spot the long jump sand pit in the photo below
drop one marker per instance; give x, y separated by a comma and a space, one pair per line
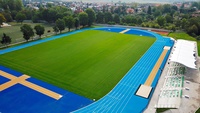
22, 80
145, 90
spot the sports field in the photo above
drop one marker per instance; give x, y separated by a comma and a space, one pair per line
89, 63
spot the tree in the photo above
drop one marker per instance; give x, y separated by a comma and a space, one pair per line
157, 13
174, 7
149, 10
169, 19
49, 14
128, 19
39, 30
184, 23
7, 16
60, 23
28, 12
166, 8
172, 12
117, 10
199, 6
17, 5
55, 29
13, 14
11, 5
91, 16
150, 17
172, 28
52, 15
133, 20
116, 18
161, 21
193, 30
27, 31
2, 19
100, 17
69, 21
83, 17
20, 17
139, 21
195, 4
36, 17
5, 39
108, 17
77, 23
177, 22
45, 14
194, 21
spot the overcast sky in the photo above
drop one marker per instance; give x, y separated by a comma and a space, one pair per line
139, 1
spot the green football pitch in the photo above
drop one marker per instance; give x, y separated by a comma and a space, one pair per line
89, 63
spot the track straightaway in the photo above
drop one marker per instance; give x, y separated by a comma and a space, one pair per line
122, 97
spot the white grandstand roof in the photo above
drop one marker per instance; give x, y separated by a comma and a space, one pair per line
183, 53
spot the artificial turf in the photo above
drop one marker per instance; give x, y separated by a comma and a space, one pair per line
89, 63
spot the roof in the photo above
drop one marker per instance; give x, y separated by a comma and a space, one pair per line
184, 53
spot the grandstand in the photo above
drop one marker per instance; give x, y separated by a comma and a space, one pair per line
171, 92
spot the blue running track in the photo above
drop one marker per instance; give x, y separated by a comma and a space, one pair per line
39, 41
122, 98
21, 99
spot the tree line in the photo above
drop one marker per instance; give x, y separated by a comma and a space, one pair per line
27, 31
164, 16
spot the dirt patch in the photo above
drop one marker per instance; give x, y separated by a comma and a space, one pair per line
160, 32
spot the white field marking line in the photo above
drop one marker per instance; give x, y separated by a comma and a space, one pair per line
137, 71
104, 96
113, 101
96, 101
150, 60
109, 93
109, 104
116, 98
133, 78
127, 100
115, 95
119, 82
143, 61
131, 90
107, 100
132, 95
128, 90
100, 101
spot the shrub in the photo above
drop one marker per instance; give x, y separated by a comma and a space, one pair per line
111, 23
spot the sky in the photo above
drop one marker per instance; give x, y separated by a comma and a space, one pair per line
138, 1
